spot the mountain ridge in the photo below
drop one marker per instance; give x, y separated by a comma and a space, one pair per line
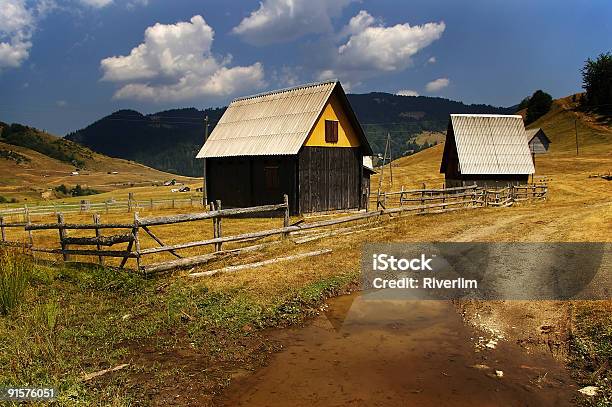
170, 139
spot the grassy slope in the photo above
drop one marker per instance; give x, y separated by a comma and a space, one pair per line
172, 329
27, 180
560, 125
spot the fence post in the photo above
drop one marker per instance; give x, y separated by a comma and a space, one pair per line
62, 235
172, 203
443, 197
106, 207
286, 217
151, 203
3, 232
423, 198
26, 212
136, 239
401, 202
130, 197
219, 234
30, 237
96, 221
211, 206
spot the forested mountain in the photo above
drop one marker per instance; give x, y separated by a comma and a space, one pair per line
169, 140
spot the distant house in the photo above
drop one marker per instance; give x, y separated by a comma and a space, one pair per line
538, 141
487, 150
304, 141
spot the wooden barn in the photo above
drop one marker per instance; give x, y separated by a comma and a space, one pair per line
538, 141
304, 141
486, 150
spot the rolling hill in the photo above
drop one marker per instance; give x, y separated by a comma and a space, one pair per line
169, 140
559, 124
32, 162
565, 119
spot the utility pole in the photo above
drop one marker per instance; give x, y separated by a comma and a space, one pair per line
576, 131
390, 158
382, 173
204, 192
386, 156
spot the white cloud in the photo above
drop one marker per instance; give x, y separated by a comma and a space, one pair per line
175, 62
285, 20
438, 84
407, 92
96, 3
432, 60
17, 23
380, 48
357, 24
61, 103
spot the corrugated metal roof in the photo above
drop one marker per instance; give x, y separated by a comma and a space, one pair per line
273, 123
491, 144
531, 133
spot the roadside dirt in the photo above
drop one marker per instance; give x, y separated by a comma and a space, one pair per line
192, 376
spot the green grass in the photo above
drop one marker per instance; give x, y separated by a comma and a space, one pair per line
591, 350
14, 273
78, 319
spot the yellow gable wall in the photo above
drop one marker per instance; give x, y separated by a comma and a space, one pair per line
346, 134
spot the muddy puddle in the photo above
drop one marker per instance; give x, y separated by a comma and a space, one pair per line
364, 352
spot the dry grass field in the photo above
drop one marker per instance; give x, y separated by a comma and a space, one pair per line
27, 181
171, 329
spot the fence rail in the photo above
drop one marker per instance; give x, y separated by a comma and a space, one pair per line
86, 206
467, 195
421, 201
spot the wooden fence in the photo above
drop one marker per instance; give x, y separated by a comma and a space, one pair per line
111, 206
434, 200
420, 201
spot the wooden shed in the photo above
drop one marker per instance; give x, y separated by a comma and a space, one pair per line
538, 141
486, 150
304, 141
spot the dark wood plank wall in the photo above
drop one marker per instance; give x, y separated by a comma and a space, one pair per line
319, 179
329, 178
229, 180
240, 181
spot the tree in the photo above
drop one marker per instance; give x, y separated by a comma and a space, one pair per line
538, 105
523, 105
597, 82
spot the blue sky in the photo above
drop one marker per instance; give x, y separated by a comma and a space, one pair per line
66, 63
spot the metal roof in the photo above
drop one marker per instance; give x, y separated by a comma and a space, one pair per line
491, 144
531, 133
273, 123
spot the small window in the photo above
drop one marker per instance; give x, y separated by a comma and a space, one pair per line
271, 176
331, 131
